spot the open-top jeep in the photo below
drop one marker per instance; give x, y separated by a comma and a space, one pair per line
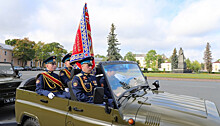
9, 81
134, 103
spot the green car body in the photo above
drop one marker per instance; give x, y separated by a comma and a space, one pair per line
9, 81
134, 103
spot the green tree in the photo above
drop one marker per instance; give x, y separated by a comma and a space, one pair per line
10, 42
58, 50
188, 64
46, 49
138, 62
53, 49
130, 56
169, 59
174, 60
160, 59
113, 50
39, 52
208, 58
196, 66
99, 56
151, 59
43, 51
23, 50
202, 66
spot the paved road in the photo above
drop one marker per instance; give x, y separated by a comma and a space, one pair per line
7, 116
203, 89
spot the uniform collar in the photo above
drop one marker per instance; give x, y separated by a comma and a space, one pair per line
68, 68
86, 74
49, 71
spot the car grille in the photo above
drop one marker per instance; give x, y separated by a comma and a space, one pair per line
152, 119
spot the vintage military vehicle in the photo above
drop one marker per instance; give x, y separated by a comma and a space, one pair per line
9, 81
134, 103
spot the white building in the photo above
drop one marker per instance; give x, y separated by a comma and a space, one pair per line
216, 66
165, 66
140, 58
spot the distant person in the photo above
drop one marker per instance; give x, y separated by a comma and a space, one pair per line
65, 74
48, 83
112, 79
84, 83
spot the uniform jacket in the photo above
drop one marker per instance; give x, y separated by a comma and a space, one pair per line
65, 75
83, 86
47, 82
105, 86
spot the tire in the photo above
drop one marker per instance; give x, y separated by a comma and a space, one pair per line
31, 122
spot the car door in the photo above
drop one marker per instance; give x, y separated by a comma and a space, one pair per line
82, 113
53, 111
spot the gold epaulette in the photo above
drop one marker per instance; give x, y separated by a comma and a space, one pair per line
79, 74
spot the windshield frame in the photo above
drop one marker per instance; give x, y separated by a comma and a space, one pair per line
103, 64
12, 69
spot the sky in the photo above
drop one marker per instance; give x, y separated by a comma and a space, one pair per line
141, 25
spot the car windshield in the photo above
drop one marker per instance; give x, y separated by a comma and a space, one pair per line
6, 69
122, 77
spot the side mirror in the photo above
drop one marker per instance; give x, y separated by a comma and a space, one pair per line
98, 95
156, 84
19, 75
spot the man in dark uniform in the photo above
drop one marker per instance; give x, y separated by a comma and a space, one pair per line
66, 72
112, 79
84, 83
48, 83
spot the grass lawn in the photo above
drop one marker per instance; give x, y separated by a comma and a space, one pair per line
184, 75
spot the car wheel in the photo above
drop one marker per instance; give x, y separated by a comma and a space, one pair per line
31, 122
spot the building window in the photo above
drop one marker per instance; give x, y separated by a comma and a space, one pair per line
12, 61
4, 60
5, 52
12, 54
18, 62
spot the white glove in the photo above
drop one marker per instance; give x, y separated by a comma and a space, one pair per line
66, 89
50, 95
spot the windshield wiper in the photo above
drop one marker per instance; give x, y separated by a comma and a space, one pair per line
145, 87
130, 90
124, 85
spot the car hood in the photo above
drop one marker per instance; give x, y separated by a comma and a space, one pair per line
162, 108
3, 79
9, 79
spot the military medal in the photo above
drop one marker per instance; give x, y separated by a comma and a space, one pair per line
84, 77
75, 84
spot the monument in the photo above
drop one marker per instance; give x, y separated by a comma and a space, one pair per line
181, 63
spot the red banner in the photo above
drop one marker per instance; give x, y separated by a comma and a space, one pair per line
82, 47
